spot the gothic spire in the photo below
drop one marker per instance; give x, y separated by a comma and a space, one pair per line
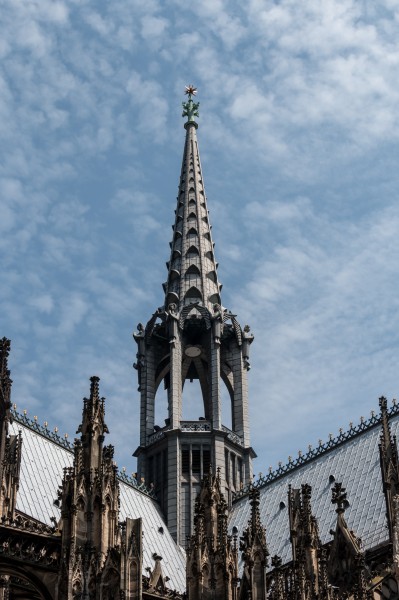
5, 381
192, 269
93, 426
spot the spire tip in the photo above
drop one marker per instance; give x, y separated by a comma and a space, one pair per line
190, 108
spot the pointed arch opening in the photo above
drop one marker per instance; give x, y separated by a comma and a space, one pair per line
192, 251
30, 584
214, 299
193, 295
176, 254
174, 274
193, 270
212, 276
192, 404
162, 383
209, 255
81, 525
192, 231
227, 397
195, 393
171, 298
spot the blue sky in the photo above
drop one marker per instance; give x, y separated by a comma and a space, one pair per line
299, 140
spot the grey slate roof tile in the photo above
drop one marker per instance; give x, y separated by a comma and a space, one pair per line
355, 464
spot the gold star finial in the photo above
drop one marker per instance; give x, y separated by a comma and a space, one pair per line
190, 90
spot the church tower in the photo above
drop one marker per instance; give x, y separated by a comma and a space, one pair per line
192, 337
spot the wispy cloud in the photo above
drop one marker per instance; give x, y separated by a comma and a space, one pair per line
298, 137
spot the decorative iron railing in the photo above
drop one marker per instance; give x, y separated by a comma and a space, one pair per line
44, 431
322, 448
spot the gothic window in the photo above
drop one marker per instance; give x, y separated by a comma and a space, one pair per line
192, 251
214, 299
212, 276
80, 520
193, 295
176, 254
196, 460
209, 255
193, 270
185, 460
174, 274
227, 465
206, 460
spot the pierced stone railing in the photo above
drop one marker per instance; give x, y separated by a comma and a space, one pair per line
234, 437
193, 426
157, 435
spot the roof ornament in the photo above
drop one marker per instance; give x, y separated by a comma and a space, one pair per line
339, 497
190, 108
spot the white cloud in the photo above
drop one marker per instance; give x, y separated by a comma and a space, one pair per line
298, 134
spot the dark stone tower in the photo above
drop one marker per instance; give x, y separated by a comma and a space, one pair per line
10, 445
89, 498
192, 337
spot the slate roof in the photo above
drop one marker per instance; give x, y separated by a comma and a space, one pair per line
43, 461
355, 463
352, 459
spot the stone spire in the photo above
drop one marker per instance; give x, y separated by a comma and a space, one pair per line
192, 269
212, 558
5, 394
10, 445
192, 337
254, 553
89, 500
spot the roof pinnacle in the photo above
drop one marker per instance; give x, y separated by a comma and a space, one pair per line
190, 108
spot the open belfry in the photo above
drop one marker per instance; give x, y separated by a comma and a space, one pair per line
193, 522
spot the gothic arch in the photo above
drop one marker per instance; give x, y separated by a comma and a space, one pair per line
214, 299
192, 250
193, 295
193, 270
13, 570
162, 370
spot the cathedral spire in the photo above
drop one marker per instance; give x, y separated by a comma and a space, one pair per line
192, 269
192, 337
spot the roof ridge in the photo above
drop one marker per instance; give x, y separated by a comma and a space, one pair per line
313, 453
42, 430
64, 442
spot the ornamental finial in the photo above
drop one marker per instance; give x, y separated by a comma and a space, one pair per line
190, 108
